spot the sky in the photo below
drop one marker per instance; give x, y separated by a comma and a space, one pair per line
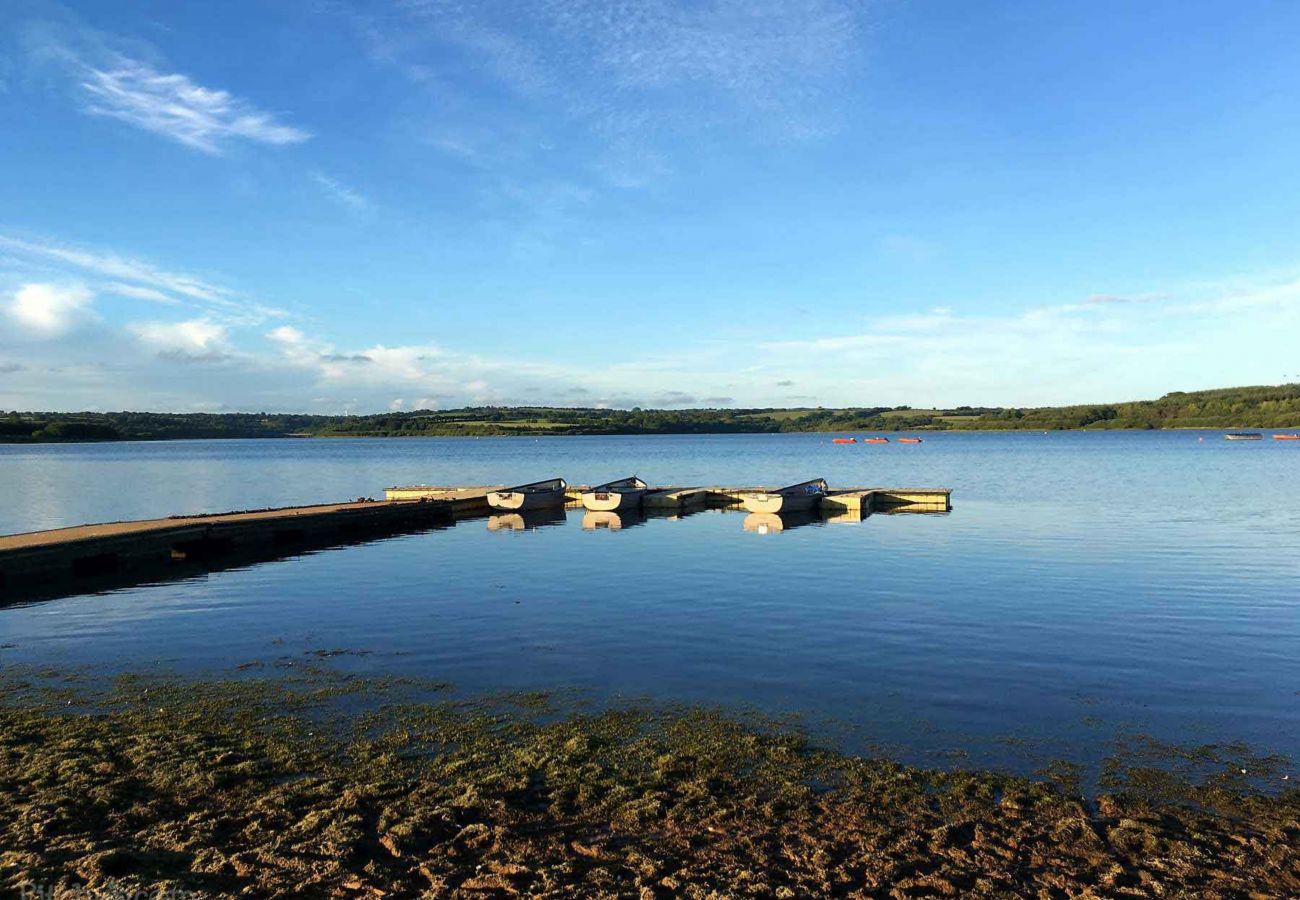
367, 205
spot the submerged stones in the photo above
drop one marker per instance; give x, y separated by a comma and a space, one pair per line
333, 787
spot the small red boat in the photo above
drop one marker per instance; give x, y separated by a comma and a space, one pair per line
875, 440
909, 440
844, 440
1286, 437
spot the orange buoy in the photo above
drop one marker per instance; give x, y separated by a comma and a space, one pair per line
844, 440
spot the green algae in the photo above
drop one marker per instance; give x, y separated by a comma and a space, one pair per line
323, 783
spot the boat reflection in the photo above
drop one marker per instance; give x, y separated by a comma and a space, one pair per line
771, 523
614, 521
670, 513
526, 519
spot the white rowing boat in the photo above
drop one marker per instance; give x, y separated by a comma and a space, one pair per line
805, 495
536, 495
626, 493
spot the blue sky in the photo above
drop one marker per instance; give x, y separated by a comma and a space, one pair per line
361, 205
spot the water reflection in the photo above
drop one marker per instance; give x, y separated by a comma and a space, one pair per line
526, 520
770, 523
672, 514
614, 521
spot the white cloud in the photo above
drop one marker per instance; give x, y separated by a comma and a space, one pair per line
49, 309
193, 339
171, 105
340, 192
287, 335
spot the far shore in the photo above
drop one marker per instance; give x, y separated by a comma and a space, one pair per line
1289, 429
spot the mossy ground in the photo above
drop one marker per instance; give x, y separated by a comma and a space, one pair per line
326, 785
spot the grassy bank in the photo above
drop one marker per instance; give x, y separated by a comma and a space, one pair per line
266, 788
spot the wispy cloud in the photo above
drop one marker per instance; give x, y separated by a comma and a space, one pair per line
175, 107
632, 73
340, 192
136, 278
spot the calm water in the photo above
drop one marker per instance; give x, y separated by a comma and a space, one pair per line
1083, 585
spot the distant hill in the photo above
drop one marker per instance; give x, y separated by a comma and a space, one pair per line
1245, 407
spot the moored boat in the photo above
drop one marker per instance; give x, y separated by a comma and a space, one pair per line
535, 495
804, 495
1286, 437
625, 493
875, 440
1244, 436
909, 440
844, 440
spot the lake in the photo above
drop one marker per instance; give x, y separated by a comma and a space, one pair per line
1084, 586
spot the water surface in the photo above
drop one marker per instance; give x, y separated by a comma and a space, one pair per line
1083, 585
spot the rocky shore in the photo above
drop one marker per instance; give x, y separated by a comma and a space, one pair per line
343, 787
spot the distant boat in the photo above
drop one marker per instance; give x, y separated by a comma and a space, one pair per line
876, 440
625, 493
1286, 437
1244, 436
909, 440
536, 495
804, 495
844, 440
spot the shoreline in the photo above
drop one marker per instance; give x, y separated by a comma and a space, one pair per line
1263, 429
329, 784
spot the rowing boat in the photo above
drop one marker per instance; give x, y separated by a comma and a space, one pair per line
804, 495
876, 440
625, 493
844, 440
909, 440
1286, 437
535, 495
1244, 436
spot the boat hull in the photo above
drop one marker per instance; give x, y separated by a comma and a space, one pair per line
612, 501
517, 500
779, 503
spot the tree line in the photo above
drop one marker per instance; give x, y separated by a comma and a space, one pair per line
1245, 407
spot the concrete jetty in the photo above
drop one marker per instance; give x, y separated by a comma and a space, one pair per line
470, 501
96, 557
92, 556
